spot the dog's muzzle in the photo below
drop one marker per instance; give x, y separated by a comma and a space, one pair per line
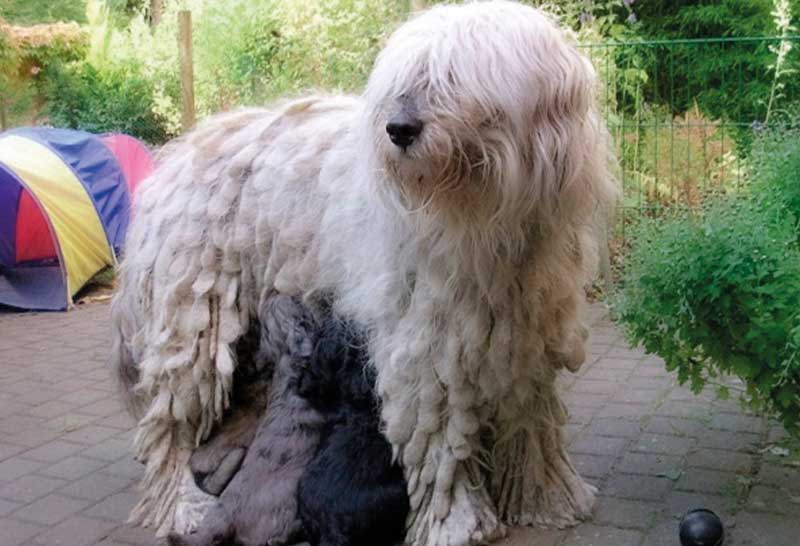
403, 129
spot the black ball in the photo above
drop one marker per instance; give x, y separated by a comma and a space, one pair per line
701, 527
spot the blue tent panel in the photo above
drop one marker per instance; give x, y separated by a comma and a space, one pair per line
10, 190
34, 287
97, 169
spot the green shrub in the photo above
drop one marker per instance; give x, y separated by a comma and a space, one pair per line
29, 12
730, 81
776, 169
720, 292
81, 97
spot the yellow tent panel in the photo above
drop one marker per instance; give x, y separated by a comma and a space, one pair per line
82, 240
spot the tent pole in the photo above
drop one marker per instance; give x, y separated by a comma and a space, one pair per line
3, 119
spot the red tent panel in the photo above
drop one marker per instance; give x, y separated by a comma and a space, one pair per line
34, 241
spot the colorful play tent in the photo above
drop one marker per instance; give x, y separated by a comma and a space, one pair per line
64, 208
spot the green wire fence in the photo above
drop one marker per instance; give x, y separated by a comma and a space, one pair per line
684, 113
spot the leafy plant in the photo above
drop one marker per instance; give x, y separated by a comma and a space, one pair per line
731, 81
81, 97
680, 160
718, 291
28, 12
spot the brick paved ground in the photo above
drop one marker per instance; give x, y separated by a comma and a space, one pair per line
654, 449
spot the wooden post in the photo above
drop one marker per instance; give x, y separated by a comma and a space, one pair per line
605, 266
156, 8
187, 73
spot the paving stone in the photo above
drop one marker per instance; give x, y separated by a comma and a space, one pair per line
637, 487
15, 532
599, 445
33, 437
73, 468
51, 509
130, 534
709, 481
674, 426
593, 466
118, 420
573, 399
95, 486
70, 422
615, 428
650, 382
780, 476
595, 387
52, 451
114, 508
668, 445
737, 423
7, 506
572, 431
777, 434
40, 396
762, 529
9, 450
653, 464
624, 352
618, 376
664, 533
52, 408
607, 362
581, 414
30, 488
110, 450
763, 498
126, 467
635, 396
650, 369
102, 408
90, 435
684, 410
624, 513
718, 459
632, 412
595, 535
734, 441
75, 531
15, 467
110, 542
83, 396
14, 423
527, 536
678, 503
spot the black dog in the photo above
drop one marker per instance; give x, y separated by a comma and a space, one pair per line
351, 494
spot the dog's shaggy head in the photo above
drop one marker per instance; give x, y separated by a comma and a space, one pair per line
482, 115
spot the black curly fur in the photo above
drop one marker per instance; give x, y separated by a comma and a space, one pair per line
351, 494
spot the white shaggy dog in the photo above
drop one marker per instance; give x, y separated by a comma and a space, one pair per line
452, 210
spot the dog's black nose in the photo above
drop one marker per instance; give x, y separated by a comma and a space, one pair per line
403, 130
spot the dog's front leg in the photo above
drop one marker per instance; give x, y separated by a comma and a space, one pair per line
432, 418
451, 510
532, 479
